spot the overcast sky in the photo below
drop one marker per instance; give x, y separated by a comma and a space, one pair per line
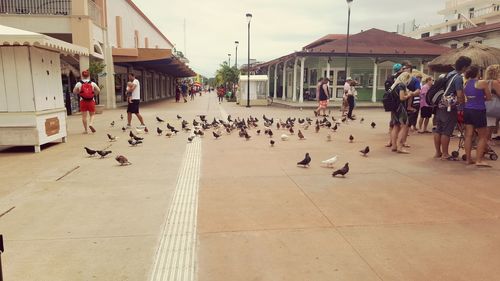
278, 27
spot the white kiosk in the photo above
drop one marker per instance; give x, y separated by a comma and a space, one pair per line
32, 109
258, 90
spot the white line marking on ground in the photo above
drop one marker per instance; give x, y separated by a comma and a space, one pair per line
176, 255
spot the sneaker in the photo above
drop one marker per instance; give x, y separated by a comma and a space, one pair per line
128, 127
142, 126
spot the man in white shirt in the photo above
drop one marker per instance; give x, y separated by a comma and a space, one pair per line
87, 91
134, 100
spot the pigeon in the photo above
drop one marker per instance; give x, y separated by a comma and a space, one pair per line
159, 119
328, 137
306, 161
335, 127
344, 119
216, 136
361, 120
170, 127
168, 134
131, 134
146, 130
270, 133
330, 162
342, 171
271, 142
122, 160
159, 131
179, 117
112, 124
291, 131
124, 129
365, 151
351, 138
103, 153
90, 152
258, 132
121, 117
373, 125
134, 142
317, 128
301, 135
190, 139
112, 138
247, 136
284, 137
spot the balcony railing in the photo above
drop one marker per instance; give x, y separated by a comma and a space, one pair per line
95, 13
36, 7
485, 11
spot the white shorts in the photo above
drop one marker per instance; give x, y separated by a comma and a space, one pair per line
491, 121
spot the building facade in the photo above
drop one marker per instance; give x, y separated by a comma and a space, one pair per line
113, 31
372, 54
457, 15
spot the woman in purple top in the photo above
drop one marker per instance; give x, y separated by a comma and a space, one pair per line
425, 109
475, 116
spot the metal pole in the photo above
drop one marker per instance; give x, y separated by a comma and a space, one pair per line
236, 58
229, 63
248, 67
347, 44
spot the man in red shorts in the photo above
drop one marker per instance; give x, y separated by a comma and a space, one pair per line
87, 90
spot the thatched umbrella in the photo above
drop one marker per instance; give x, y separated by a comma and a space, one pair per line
480, 54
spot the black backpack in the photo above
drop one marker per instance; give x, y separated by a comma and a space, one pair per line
391, 100
438, 89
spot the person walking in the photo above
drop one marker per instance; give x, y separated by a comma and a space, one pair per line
324, 93
350, 93
177, 93
425, 109
87, 90
446, 112
399, 116
135, 99
475, 115
184, 90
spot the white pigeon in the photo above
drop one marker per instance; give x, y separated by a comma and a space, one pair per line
330, 162
284, 137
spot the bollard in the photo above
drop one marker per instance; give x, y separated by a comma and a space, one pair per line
1, 251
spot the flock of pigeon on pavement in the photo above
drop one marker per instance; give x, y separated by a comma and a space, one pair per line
220, 127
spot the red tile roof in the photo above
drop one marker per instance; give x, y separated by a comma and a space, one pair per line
325, 39
379, 42
464, 32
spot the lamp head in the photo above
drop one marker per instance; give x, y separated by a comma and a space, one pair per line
349, 2
236, 42
249, 17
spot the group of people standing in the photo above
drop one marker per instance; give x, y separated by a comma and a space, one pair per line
465, 96
184, 89
348, 98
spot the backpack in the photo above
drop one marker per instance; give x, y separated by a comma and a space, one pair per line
391, 100
438, 89
87, 90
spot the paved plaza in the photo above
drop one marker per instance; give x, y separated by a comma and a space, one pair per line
231, 209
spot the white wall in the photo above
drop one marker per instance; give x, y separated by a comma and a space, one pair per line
132, 21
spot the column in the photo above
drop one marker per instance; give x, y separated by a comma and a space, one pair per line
294, 82
328, 76
301, 82
283, 95
268, 80
84, 63
375, 81
275, 93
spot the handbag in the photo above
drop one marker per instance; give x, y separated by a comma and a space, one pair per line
493, 105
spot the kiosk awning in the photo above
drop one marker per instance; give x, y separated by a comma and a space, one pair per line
10, 36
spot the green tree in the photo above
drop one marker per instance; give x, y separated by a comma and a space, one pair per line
228, 76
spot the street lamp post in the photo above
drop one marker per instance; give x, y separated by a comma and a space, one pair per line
236, 57
249, 19
349, 2
229, 60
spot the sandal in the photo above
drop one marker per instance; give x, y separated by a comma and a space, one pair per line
483, 165
449, 158
403, 151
